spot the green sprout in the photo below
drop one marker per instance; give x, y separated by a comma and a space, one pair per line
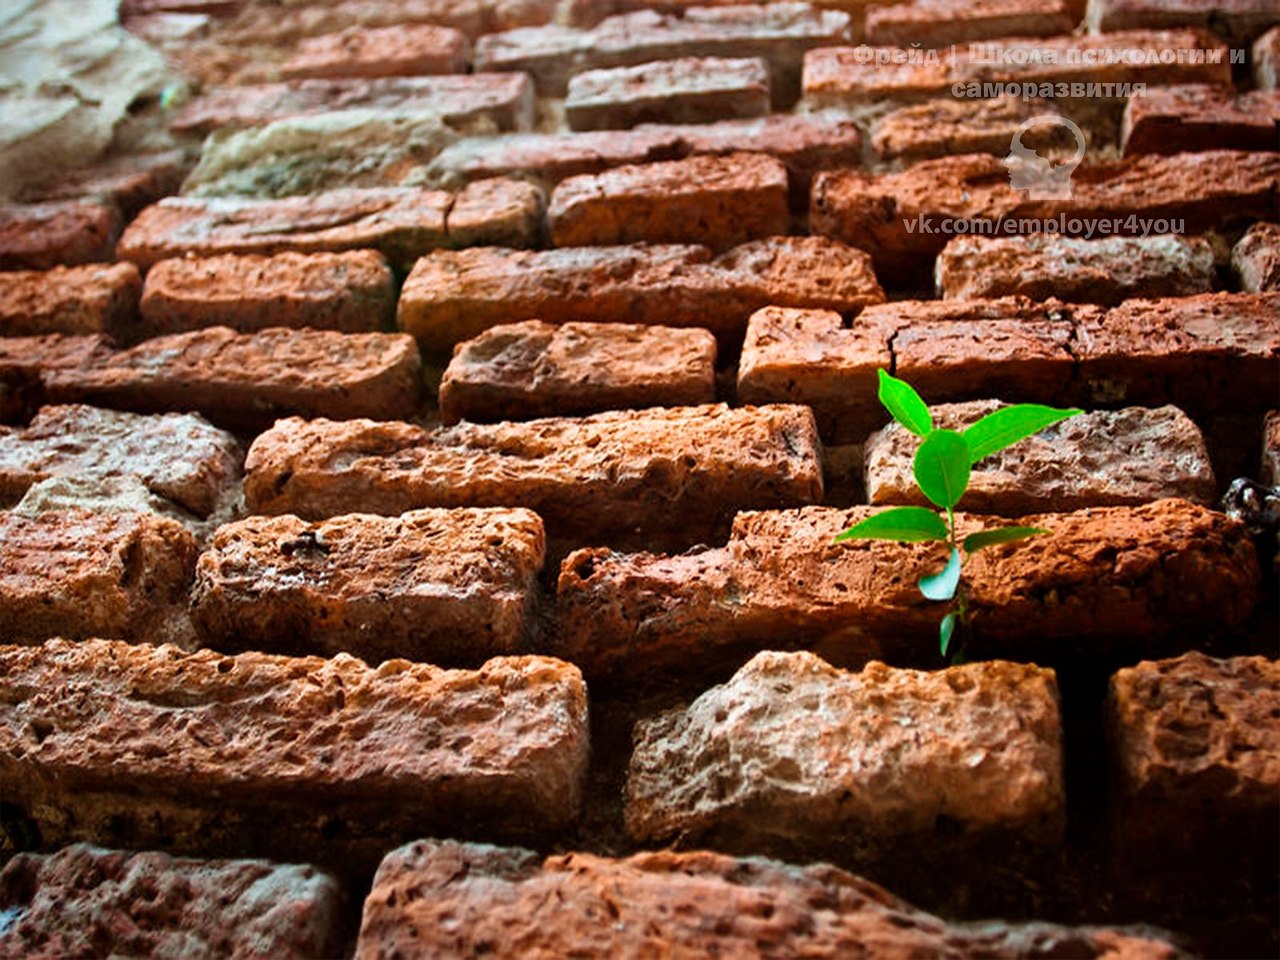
942, 466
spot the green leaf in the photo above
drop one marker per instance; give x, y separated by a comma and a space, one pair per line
905, 405
1006, 426
942, 467
945, 629
989, 538
942, 585
903, 524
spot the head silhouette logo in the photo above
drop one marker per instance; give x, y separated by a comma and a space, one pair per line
1040, 177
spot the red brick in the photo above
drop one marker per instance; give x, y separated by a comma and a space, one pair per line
211, 754
1270, 472
37, 236
74, 574
1200, 191
241, 381
89, 299
504, 100
496, 212
719, 201
453, 296
436, 586
128, 181
1106, 584
353, 292
673, 476
1237, 20
938, 23
689, 90
534, 369
1255, 259
1184, 119
1266, 60
948, 125
403, 50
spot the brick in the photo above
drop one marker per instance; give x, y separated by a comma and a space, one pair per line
1108, 270
468, 899
1184, 119
455, 296
498, 212
664, 475
1104, 458
1237, 20
1255, 259
241, 381
1266, 60
947, 125
210, 754
404, 50
87, 299
717, 201
688, 90
127, 181
1197, 191
353, 292
1108, 582
838, 77
780, 33
85, 900
178, 456
1270, 472
400, 223
791, 755
504, 100
37, 236
938, 23
451, 587
79, 574
534, 369
1209, 354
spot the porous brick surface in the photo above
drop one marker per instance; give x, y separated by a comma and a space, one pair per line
452, 296
1107, 270
89, 901
463, 899
1108, 581
939, 23
1099, 459
522, 371
179, 457
948, 125
1177, 119
96, 298
78, 574
211, 754
672, 475
37, 236
352, 292
1270, 473
1255, 259
717, 201
128, 181
1237, 20
435, 586
404, 50
689, 90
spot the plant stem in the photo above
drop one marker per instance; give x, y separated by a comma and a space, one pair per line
960, 602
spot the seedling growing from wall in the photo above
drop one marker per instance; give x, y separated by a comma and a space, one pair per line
941, 467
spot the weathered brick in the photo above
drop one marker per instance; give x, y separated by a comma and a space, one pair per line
949, 125
436, 586
127, 181
95, 298
401, 223
1209, 354
211, 754
1255, 259
666, 475
1107, 270
938, 23
179, 457
792, 756
778, 32
37, 236
1237, 20
534, 369
504, 100
719, 201
1197, 191
1104, 458
445, 898
353, 292
404, 50
498, 212
1270, 473
86, 901
1178, 119
688, 90
1109, 582
242, 381
1266, 60
455, 296
79, 574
